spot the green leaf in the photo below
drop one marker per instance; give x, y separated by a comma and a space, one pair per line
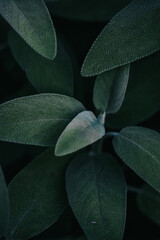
97, 194
45, 75
149, 203
37, 196
4, 206
142, 96
37, 119
110, 88
90, 10
139, 148
82, 131
131, 34
31, 20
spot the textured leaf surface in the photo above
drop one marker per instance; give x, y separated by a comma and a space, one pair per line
31, 20
37, 196
97, 194
142, 96
37, 119
47, 76
82, 131
131, 34
149, 203
110, 88
90, 10
4, 206
139, 148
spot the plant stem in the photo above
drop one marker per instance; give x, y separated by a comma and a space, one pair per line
102, 117
111, 134
134, 189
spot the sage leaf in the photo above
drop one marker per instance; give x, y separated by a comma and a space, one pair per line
4, 206
82, 10
37, 119
31, 20
46, 76
96, 188
37, 196
139, 148
130, 35
149, 203
142, 96
110, 88
82, 131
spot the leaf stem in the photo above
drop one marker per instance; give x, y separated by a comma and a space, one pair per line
134, 189
102, 117
111, 134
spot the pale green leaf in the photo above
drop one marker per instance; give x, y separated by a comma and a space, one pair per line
130, 35
90, 10
37, 119
4, 206
110, 88
82, 131
31, 20
37, 196
142, 96
139, 148
149, 203
46, 76
96, 191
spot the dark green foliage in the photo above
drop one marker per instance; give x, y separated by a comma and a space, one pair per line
40, 196
45, 101
4, 206
95, 186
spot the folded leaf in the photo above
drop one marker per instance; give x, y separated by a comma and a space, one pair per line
82, 131
90, 10
142, 96
45, 75
97, 194
139, 148
131, 34
149, 203
4, 206
37, 119
110, 88
37, 196
31, 20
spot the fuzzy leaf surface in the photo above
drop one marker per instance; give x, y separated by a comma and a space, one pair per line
139, 148
82, 131
96, 189
31, 20
50, 76
37, 196
130, 35
37, 119
110, 88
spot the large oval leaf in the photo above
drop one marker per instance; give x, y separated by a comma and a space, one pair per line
96, 189
31, 20
37, 119
149, 203
82, 131
142, 96
37, 196
90, 10
4, 206
139, 148
45, 75
132, 34
110, 88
